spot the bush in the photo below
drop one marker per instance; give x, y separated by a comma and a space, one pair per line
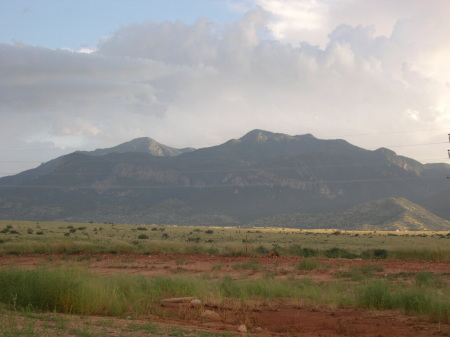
339, 253
142, 237
374, 254
360, 273
261, 250
310, 264
297, 250
375, 295
197, 239
429, 279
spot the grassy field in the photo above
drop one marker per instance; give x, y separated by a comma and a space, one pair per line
21, 237
78, 292
62, 299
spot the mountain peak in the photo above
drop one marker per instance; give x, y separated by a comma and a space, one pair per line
142, 145
262, 136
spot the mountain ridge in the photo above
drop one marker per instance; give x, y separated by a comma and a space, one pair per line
142, 145
260, 175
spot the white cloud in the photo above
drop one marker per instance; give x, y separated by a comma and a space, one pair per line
325, 69
86, 50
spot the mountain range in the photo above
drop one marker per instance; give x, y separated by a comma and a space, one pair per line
262, 178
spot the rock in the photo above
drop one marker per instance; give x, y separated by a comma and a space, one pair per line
178, 300
242, 328
196, 303
211, 315
258, 329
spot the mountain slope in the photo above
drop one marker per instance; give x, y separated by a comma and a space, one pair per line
386, 214
144, 145
258, 175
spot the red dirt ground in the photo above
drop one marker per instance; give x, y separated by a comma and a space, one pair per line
282, 320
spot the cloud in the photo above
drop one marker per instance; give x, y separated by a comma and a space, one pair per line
200, 84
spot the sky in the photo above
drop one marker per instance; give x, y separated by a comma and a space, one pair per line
87, 74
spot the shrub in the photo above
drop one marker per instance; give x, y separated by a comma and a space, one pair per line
360, 273
375, 295
339, 253
429, 279
376, 254
197, 239
261, 250
142, 236
310, 264
297, 250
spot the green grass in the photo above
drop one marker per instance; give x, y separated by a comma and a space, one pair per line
254, 265
424, 254
311, 264
429, 279
416, 300
363, 272
75, 291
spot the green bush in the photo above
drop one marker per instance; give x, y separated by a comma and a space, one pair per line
310, 264
375, 295
297, 250
429, 279
374, 254
340, 253
261, 250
